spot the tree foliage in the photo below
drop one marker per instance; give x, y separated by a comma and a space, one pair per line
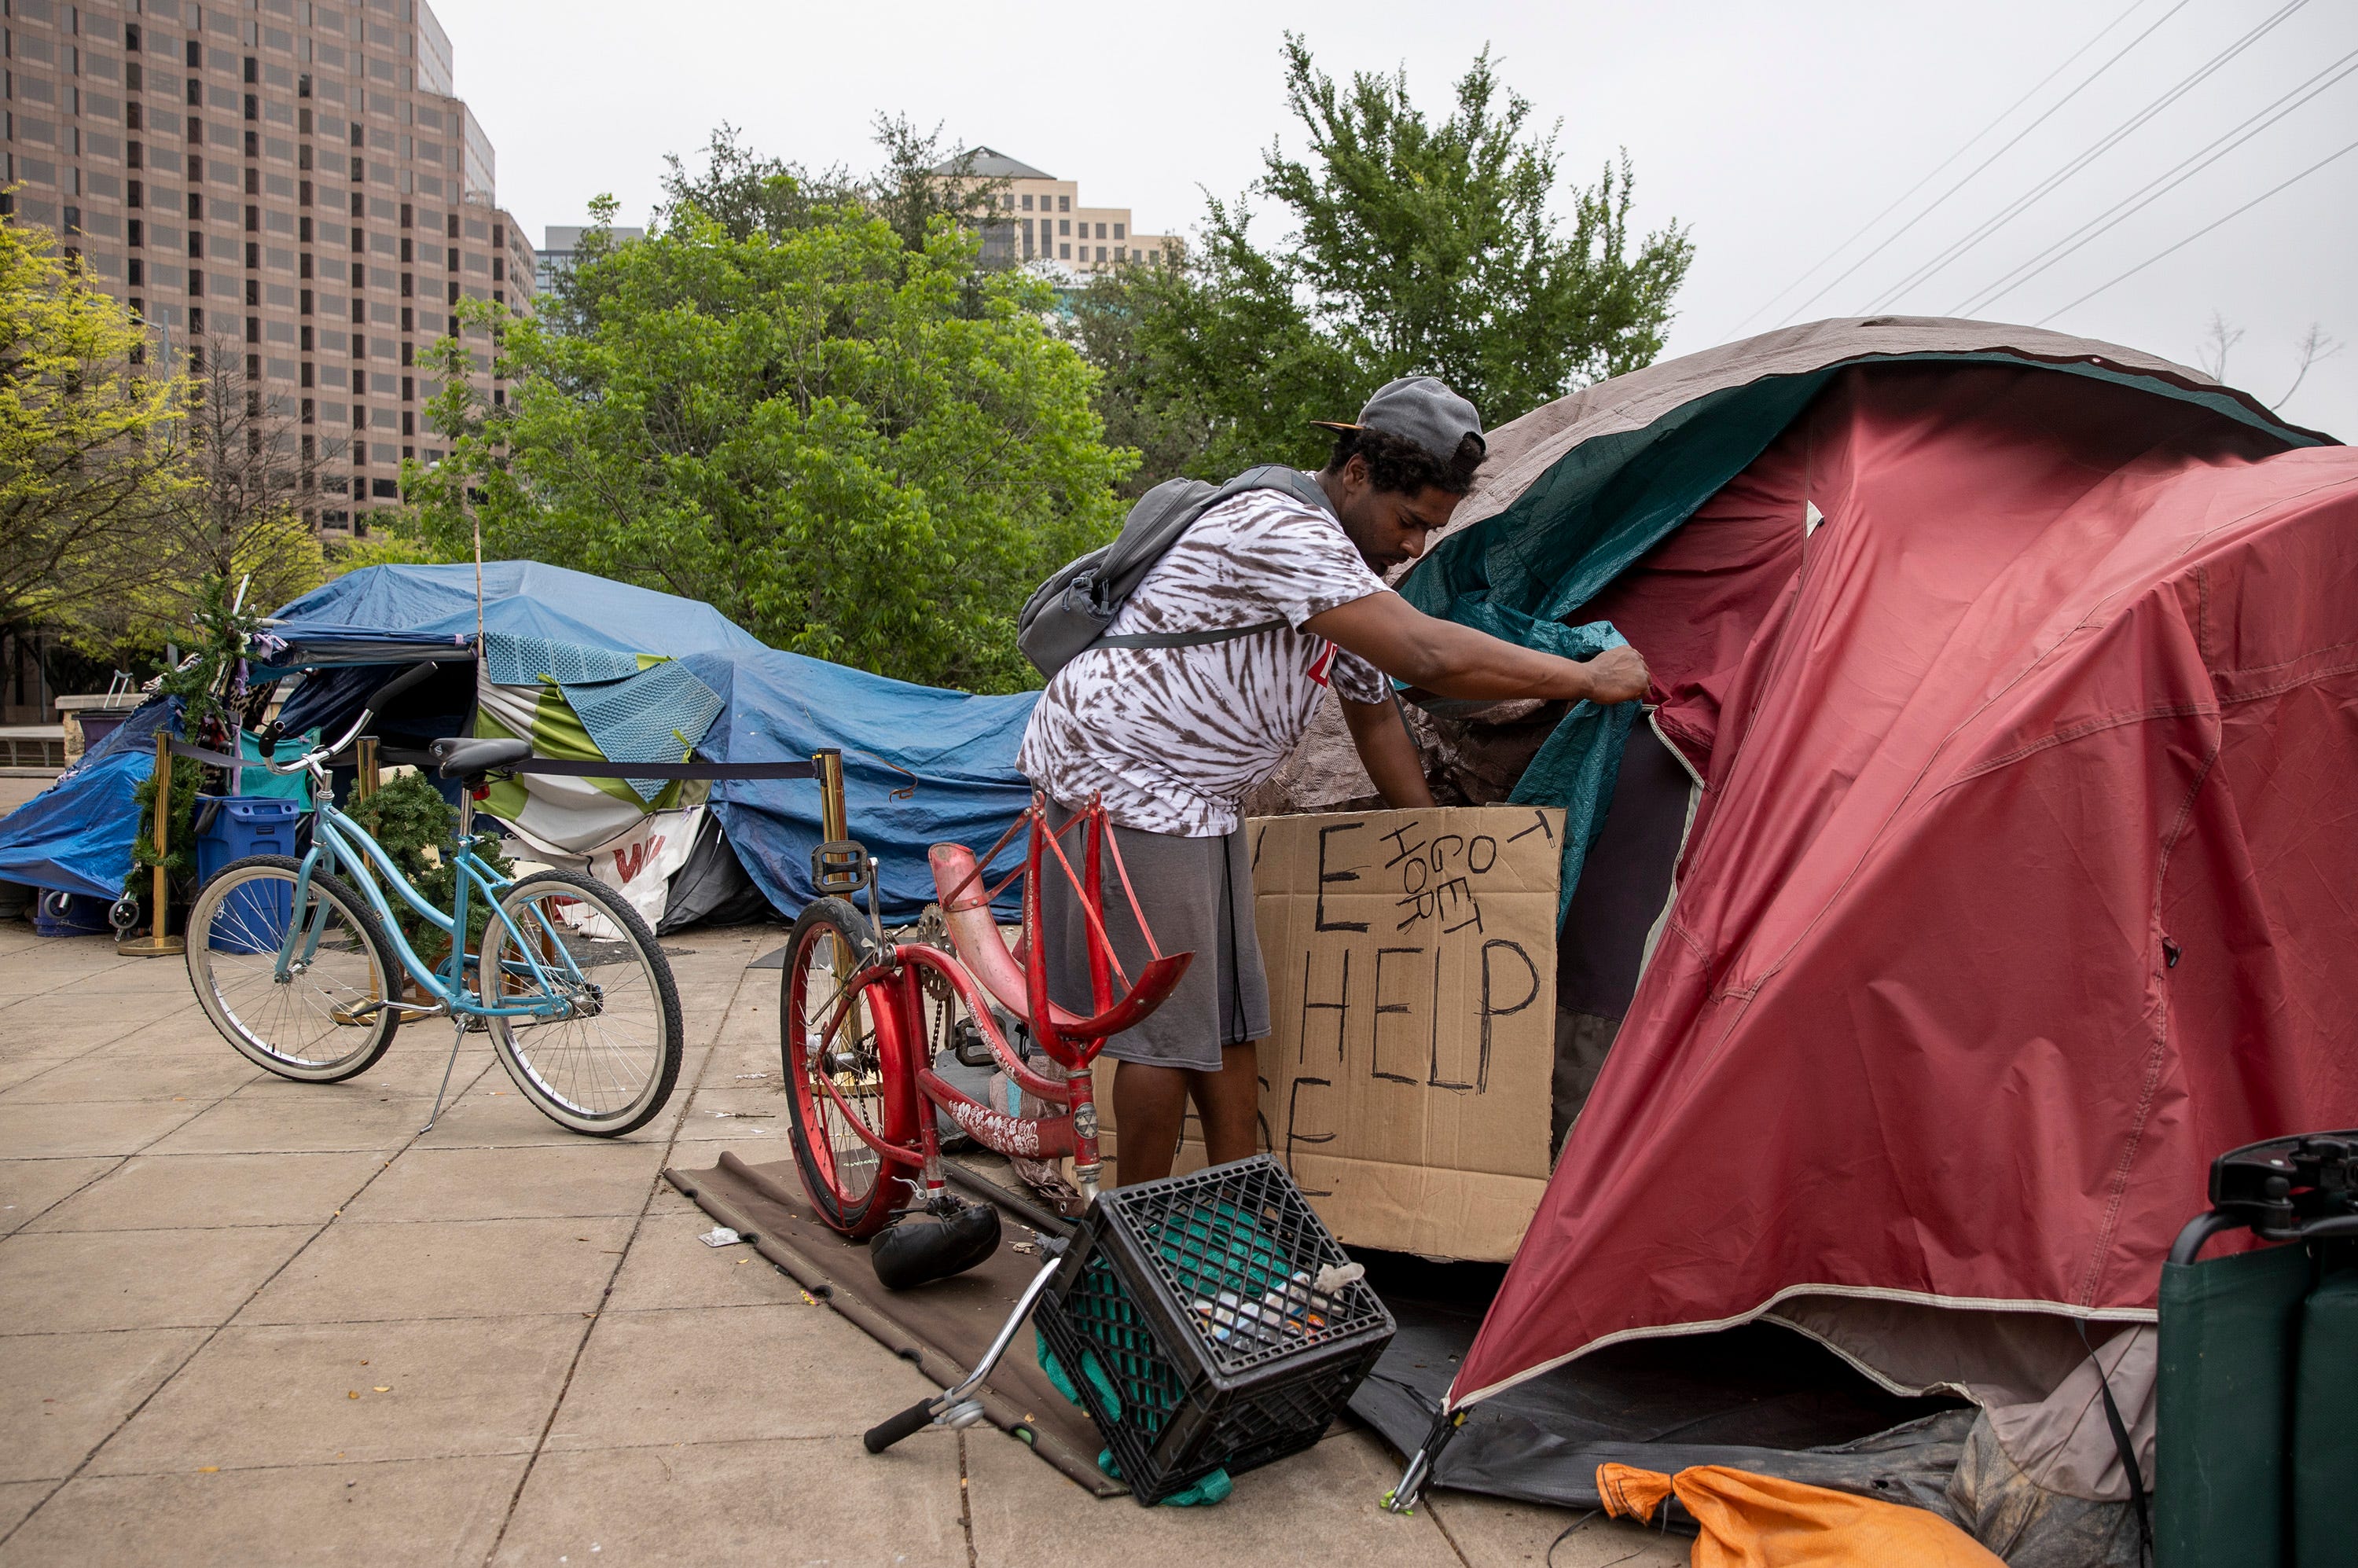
856, 450
90, 456
1417, 247
236, 520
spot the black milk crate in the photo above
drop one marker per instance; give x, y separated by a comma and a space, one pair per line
1196, 1297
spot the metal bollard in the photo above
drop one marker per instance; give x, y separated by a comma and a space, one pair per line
156, 944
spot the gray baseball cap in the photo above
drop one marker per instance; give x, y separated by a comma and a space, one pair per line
1418, 408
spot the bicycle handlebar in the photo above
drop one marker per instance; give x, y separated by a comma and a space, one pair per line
370, 709
885, 1433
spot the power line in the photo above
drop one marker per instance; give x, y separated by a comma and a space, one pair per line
2103, 144
2011, 144
2198, 234
2137, 201
1933, 173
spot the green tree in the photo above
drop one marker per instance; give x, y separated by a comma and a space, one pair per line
90, 439
749, 194
1417, 247
248, 469
855, 449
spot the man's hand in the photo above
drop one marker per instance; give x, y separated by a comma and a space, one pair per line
1617, 674
1450, 660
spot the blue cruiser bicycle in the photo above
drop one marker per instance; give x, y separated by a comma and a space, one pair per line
300, 963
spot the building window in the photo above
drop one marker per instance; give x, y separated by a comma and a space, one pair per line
1027, 204
1063, 203
1064, 252
1064, 225
1101, 255
1117, 232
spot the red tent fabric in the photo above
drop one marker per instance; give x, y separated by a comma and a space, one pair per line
2021, 883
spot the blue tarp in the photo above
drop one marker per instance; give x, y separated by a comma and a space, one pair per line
960, 749
75, 836
396, 614
954, 753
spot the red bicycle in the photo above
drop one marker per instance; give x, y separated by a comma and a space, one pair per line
859, 1011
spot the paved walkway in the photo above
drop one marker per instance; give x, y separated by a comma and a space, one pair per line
246, 1321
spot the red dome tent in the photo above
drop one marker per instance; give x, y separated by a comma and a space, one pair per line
2016, 680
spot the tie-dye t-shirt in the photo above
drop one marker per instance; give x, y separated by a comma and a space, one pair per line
1173, 738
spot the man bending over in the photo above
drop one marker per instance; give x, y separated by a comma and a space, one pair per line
1171, 738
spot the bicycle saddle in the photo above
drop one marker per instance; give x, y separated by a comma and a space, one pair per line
455, 756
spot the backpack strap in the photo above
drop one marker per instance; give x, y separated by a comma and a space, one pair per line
1269, 476
1187, 639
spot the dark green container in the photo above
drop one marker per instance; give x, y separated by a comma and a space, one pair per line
2325, 1421
2256, 1434
2230, 1345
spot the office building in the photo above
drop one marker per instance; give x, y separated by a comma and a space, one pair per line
292, 182
1044, 219
558, 244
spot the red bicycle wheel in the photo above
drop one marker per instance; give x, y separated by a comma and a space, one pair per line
836, 1034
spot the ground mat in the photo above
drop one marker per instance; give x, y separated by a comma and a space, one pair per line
943, 1327
1758, 1398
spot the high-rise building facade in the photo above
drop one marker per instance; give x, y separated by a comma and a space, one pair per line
291, 182
1043, 218
560, 243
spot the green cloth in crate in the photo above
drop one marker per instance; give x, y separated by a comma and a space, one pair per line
1212, 1488
2325, 1420
1225, 1250
2229, 1342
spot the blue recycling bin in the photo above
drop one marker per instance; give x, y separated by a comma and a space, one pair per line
230, 827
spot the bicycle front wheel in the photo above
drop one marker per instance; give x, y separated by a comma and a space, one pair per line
833, 1032
324, 1020
605, 1062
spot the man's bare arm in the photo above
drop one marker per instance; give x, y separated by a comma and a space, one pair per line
1450, 660
1388, 753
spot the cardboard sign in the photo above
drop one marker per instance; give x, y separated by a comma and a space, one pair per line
1411, 974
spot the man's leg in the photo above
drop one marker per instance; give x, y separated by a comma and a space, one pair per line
1150, 1105
1228, 1103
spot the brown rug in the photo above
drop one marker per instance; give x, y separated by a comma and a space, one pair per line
943, 1327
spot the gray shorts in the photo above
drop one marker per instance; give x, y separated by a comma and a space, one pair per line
1198, 897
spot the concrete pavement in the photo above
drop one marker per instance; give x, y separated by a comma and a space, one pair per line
247, 1320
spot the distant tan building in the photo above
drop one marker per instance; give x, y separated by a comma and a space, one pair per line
295, 178
1044, 219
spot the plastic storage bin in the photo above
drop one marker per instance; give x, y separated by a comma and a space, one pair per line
1190, 1314
230, 827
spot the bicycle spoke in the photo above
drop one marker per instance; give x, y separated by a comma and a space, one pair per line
599, 1057
301, 1023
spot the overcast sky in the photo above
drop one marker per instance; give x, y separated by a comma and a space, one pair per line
1774, 132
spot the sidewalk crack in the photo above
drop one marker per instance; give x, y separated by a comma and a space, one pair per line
646, 1207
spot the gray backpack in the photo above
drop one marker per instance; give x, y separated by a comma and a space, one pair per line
1069, 613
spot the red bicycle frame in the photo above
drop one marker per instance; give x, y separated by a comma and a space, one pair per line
983, 971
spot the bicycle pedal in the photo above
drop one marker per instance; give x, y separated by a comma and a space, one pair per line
840, 866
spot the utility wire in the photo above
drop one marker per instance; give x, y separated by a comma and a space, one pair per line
2103, 144
1770, 303
2012, 142
2137, 201
2198, 234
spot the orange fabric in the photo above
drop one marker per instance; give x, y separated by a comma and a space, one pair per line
1758, 1521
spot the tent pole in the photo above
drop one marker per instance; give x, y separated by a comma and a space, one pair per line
156, 944
1404, 1497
